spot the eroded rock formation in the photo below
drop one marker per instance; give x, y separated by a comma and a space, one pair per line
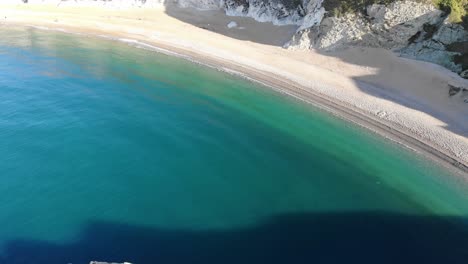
417, 30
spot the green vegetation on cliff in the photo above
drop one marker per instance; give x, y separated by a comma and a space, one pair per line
456, 8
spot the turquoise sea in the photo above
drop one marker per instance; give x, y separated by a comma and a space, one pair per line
115, 153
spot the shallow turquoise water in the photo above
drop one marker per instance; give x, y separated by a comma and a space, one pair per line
118, 153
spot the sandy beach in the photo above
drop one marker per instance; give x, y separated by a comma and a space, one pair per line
404, 100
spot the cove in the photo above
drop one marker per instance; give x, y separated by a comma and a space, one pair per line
109, 152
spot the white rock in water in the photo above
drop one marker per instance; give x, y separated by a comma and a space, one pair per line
232, 24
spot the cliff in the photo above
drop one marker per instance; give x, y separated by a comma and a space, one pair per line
420, 30
414, 29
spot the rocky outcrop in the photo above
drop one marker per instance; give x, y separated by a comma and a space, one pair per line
444, 46
416, 30
461, 92
389, 27
305, 13
279, 12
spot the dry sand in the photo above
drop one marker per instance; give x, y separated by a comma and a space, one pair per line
404, 100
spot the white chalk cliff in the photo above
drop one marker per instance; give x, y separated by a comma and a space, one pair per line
414, 29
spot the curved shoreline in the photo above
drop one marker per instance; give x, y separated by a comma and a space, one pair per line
225, 62
347, 113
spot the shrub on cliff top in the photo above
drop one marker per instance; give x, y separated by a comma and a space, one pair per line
456, 8
465, 21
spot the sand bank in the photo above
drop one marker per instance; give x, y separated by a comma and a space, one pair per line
404, 100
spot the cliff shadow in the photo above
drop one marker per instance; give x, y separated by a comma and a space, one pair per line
390, 70
359, 237
247, 28
414, 84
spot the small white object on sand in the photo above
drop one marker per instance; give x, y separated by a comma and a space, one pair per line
232, 24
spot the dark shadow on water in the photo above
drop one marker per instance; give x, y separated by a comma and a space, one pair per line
368, 237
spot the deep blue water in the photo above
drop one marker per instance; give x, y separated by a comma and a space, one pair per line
109, 152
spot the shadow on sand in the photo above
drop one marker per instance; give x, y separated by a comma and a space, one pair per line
455, 120
367, 237
247, 28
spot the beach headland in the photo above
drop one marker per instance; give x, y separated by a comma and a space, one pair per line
410, 102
